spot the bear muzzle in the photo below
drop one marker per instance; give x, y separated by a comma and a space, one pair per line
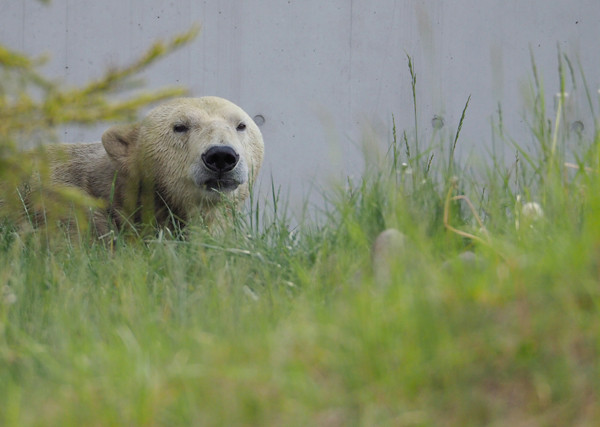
220, 159
221, 169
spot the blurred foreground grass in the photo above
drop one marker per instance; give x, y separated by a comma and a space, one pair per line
265, 325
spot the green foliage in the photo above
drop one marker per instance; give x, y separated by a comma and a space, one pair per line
265, 325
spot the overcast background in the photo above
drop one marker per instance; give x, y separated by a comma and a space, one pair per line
324, 74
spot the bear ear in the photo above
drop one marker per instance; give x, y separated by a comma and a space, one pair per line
119, 141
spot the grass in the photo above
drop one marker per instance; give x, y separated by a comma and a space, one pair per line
263, 325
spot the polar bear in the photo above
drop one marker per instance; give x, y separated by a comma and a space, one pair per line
184, 159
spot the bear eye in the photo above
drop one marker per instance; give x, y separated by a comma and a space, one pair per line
241, 127
180, 128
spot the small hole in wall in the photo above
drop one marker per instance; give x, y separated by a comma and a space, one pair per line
437, 122
577, 126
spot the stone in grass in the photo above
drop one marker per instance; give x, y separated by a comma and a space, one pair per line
388, 249
465, 260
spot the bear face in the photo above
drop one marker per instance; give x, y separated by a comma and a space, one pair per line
181, 160
198, 149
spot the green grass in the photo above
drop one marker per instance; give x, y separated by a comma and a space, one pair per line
264, 325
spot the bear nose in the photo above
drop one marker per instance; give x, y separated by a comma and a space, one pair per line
220, 158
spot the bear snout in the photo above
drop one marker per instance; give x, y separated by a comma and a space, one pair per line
220, 158
219, 168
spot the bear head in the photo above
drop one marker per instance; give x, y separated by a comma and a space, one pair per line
193, 151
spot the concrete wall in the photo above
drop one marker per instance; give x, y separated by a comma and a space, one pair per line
325, 73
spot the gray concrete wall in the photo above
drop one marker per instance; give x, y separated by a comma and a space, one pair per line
325, 73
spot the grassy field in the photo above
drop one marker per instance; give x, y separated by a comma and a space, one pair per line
265, 325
